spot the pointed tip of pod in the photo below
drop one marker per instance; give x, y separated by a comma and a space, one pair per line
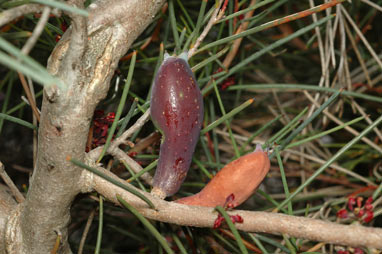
183, 56
258, 148
166, 56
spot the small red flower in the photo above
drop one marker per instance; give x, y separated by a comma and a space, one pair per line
101, 124
218, 221
228, 82
342, 214
133, 154
110, 117
369, 216
369, 207
229, 201
58, 38
359, 212
359, 201
358, 251
64, 26
368, 204
351, 203
236, 218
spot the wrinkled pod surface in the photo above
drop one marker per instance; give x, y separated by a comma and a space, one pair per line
177, 111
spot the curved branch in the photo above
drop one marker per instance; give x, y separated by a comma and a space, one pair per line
273, 223
66, 116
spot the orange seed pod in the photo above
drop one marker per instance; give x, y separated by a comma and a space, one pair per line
240, 177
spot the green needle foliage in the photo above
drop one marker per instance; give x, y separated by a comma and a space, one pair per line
258, 74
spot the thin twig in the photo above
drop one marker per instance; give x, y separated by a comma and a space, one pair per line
339, 122
273, 223
35, 122
214, 18
28, 46
358, 54
12, 14
374, 5
364, 40
324, 67
8, 181
137, 125
236, 44
122, 156
338, 168
31, 101
367, 118
86, 231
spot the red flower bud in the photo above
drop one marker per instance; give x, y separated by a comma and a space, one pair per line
351, 203
342, 214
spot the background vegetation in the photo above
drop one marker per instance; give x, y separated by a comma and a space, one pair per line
308, 90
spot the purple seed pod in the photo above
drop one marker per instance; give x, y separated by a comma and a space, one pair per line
177, 111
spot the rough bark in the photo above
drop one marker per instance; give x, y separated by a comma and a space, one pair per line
7, 205
85, 60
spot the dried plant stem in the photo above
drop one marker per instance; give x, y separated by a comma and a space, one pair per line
348, 128
37, 31
30, 97
236, 44
214, 18
13, 13
364, 40
8, 181
122, 156
86, 231
358, 54
138, 125
374, 5
338, 168
367, 118
273, 223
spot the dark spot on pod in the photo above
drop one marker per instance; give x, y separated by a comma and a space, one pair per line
177, 111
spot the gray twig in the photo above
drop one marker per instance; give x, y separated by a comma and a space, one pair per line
86, 231
253, 221
8, 181
12, 14
214, 18
37, 31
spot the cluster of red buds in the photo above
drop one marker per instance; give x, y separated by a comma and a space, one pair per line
229, 204
227, 82
358, 209
101, 124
